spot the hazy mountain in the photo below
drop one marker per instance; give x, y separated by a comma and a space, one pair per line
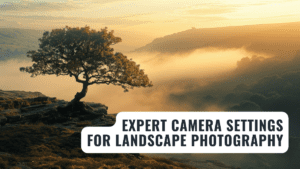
14, 43
274, 39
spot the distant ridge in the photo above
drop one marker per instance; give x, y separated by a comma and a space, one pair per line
15, 42
276, 39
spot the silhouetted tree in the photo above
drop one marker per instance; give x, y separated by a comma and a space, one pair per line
86, 55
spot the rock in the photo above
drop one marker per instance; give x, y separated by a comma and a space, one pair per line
3, 120
55, 167
41, 99
134, 155
12, 119
96, 105
31, 108
76, 135
63, 109
17, 103
73, 140
21, 166
6, 154
137, 155
10, 111
38, 108
7, 105
101, 110
54, 119
61, 102
11, 104
58, 113
50, 112
57, 117
33, 117
82, 105
89, 115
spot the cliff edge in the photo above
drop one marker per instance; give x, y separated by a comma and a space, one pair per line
37, 132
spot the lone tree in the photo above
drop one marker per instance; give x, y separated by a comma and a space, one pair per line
86, 55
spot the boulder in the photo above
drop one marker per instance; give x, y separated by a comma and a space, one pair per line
85, 106
96, 105
101, 110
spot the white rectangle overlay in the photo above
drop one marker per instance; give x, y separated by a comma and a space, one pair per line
190, 132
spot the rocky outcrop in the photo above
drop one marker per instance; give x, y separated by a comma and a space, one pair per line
51, 111
4, 95
43, 132
44, 128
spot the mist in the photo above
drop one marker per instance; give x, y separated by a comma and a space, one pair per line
174, 75
270, 39
211, 78
205, 79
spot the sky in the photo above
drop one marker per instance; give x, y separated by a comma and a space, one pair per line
138, 22
227, 55
223, 60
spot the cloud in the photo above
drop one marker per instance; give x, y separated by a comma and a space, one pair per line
272, 84
105, 1
271, 80
245, 106
51, 22
33, 6
211, 10
125, 21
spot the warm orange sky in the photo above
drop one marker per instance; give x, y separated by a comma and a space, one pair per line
138, 22
246, 68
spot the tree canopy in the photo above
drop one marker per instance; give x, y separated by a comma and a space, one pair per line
86, 55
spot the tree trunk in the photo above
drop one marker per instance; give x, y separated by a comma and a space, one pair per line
80, 95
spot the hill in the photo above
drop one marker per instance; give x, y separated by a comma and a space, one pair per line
37, 132
274, 39
14, 43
